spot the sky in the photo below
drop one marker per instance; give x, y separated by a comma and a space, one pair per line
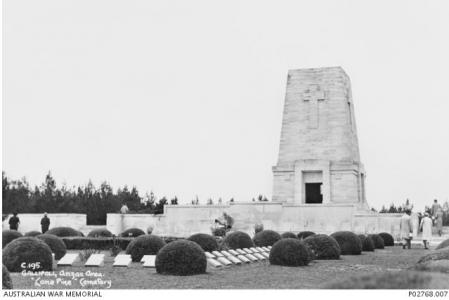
185, 98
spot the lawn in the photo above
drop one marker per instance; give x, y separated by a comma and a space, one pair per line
259, 275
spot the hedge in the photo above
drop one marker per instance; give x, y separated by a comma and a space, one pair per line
32, 233
64, 231
349, 242
289, 252
443, 244
323, 246
378, 241
6, 279
367, 243
206, 241
9, 235
393, 280
388, 238
288, 234
147, 244
181, 257
55, 243
236, 240
266, 238
439, 254
132, 232
29, 250
441, 266
102, 232
304, 234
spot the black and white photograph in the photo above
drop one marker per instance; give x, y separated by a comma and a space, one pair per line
214, 146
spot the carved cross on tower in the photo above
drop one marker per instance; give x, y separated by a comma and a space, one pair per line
313, 95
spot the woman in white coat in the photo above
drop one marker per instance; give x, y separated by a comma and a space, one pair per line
426, 226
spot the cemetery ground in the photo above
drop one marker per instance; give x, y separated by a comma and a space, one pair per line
259, 275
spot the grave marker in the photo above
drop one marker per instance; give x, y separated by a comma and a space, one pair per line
240, 251
251, 257
149, 261
234, 260
69, 259
259, 256
247, 250
214, 263
95, 260
217, 254
209, 255
233, 252
244, 259
224, 261
122, 260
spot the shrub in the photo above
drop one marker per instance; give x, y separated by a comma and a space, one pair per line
435, 255
63, 231
33, 233
6, 279
206, 241
132, 232
218, 231
393, 280
102, 232
323, 246
181, 257
55, 243
144, 245
28, 250
236, 240
441, 266
367, 242
288, 235
349, 242
82, 243
289, 252
378, 241
388, 238
304, 234
266, 238
443, 244
9, 235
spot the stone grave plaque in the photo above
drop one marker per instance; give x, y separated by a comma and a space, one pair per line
214, 263
226, 253
254, 249
260, 249
259, 256
240, 251
266, 249
234, 260
69, 259
247, 250
209, 255
217, 254
95, 260
122, 260
233, 252
224, 261
251, 257
267, 255
150, 261
244, 259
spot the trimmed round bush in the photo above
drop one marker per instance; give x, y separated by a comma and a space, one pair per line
393, 280
206, 241
6, 279
9, 235
443, 244
28, 250
441, 266
304, 234
144, 245
349, 242
289, 252
367, 242
55, 243
388, 238
439, 254
236, 240
63, 231
323, 246
101, 232
266, 238
181, 257
32, 233
378, 241
290, 235
132, 232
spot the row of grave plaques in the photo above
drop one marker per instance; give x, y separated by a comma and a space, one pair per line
215, 259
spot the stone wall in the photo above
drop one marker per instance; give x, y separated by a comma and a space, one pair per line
32, 222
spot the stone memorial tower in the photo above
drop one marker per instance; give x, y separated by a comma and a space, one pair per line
319, 161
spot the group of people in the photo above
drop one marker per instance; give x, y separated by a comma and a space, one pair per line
432, 217
14, 222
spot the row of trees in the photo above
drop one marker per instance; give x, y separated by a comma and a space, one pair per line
19, 196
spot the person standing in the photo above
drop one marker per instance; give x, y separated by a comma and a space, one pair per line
124, 209
426, 226
439, 221
14, 222
406, 229
435, 207
45, 223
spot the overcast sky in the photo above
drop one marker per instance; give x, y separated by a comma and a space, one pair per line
185, 98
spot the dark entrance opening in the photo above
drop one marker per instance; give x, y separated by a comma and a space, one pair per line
313, 193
